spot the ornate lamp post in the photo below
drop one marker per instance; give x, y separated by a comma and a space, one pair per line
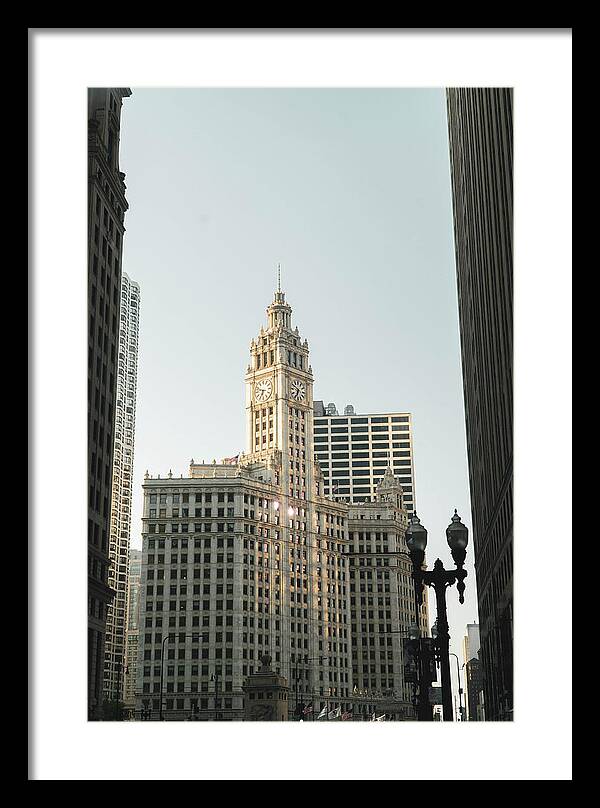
460, 690
167, 638
439, 578
297, 664
215, 678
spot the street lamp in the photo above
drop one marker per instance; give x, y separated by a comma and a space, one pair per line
215, 678
416, 541
439, 578
460, 690
167, 637
162, 670
297, 664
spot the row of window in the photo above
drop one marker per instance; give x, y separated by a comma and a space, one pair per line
374, 419
341, 442
360, 486
183, 513
183, 543
323, 453
206, 527
342, 470
401, 466
339, 430
175, 498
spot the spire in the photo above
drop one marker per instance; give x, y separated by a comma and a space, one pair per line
388, 480
389, 486
279, 300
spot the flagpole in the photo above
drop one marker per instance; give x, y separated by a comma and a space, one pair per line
309, 693
296, 707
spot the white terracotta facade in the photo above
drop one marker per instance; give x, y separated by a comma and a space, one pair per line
248, 557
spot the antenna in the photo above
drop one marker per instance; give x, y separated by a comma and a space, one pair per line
278, 277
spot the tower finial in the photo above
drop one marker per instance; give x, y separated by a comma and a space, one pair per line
278, 277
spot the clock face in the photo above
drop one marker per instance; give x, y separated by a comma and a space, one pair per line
263, 390
298, 390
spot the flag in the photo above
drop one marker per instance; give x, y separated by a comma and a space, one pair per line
323, 713
380, 718
308, 709
335, 714
230, 461
347, 716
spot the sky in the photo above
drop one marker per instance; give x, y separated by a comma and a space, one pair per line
349, 190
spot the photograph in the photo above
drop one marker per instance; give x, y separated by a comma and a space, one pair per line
252, 253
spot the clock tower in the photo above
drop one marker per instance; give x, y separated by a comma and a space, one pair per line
308, 579
279, 405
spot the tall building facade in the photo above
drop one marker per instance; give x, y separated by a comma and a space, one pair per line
249, 558
122, 478
382, 599
481, 156
106, 216
133, 626
355, 450
473, 675
471, 642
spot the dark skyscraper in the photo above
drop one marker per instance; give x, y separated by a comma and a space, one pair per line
106, 214
481, 155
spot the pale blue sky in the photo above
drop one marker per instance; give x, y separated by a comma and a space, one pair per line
350, 191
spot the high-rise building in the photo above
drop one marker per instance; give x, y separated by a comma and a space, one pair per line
473, 677
354, 451
106, 216
474, 690
249, 558
382, 599
481, 156
471, 642
122, 477
133, 627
